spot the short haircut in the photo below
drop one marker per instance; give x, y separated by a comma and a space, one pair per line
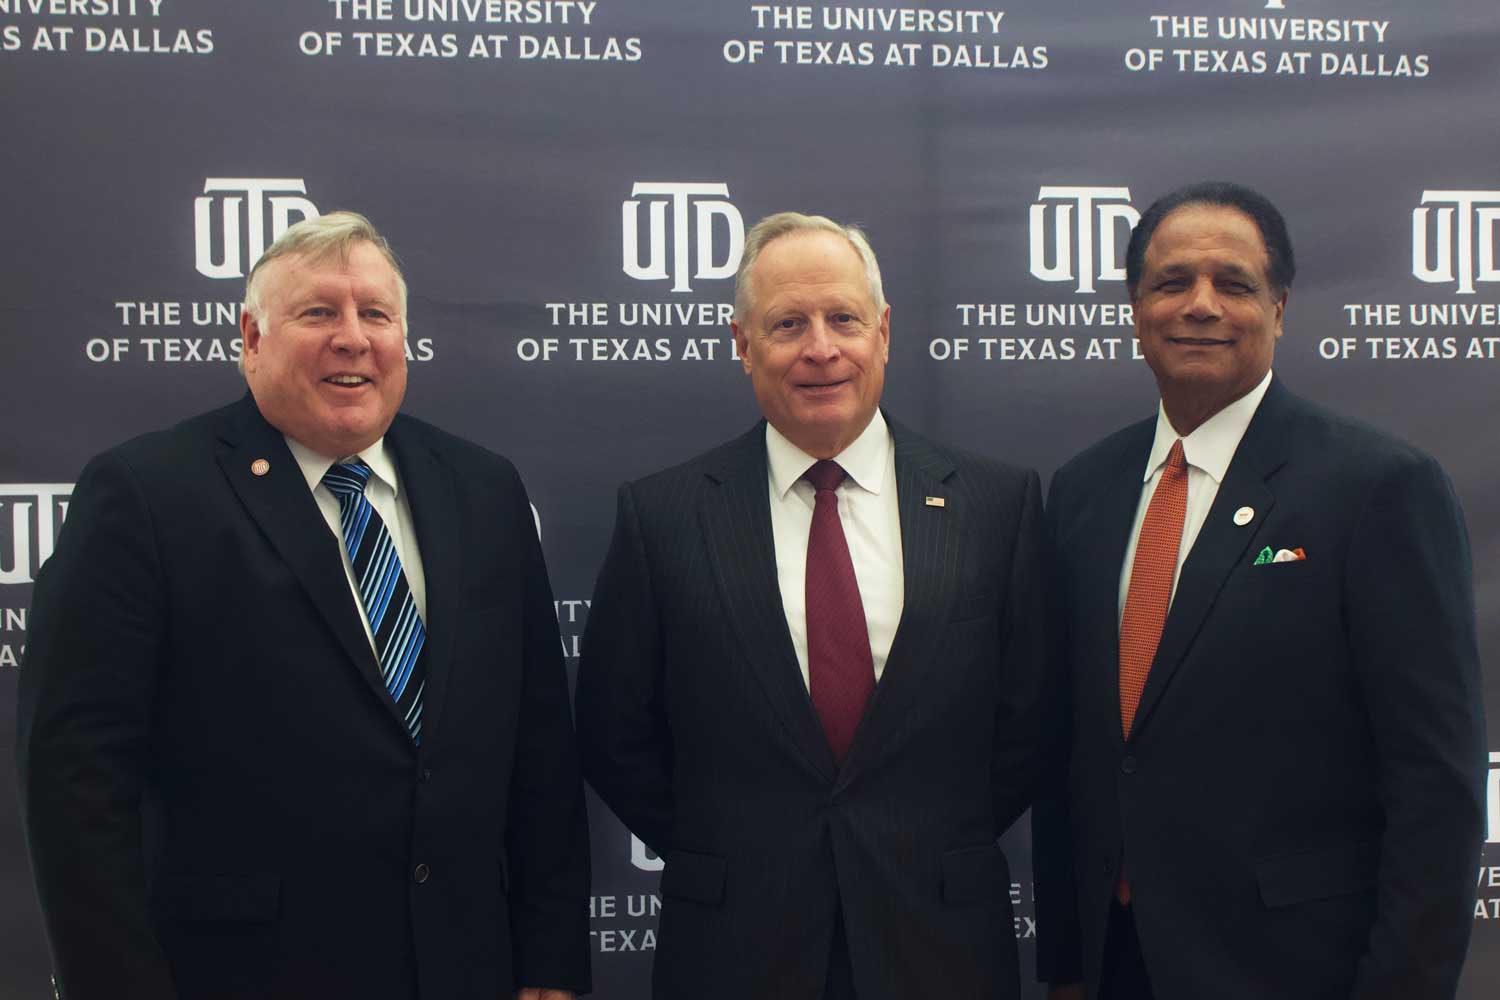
319, 237
781, 224
1281, 263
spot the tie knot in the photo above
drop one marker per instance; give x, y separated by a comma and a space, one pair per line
1176, 461
347, 478
825, 475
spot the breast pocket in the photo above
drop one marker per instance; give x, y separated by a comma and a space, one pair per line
974, 607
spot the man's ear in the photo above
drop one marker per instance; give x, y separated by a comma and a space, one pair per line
741, 344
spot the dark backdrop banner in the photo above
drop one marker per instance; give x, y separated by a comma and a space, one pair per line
568, 184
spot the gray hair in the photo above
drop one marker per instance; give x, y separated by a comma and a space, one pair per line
773, 227
319, 237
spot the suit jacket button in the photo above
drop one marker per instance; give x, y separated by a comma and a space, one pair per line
419, 874
1109, 866
424, 774
1128, 765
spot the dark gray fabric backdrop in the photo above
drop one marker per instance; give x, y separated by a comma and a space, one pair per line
567, 184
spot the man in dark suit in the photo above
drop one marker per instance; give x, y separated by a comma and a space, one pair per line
1269, 743
293, 716
817, 701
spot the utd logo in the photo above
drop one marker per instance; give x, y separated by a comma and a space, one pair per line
1085, 234
643, 857
707, 203
31, 513
1464, 219
1492, 793
244, 199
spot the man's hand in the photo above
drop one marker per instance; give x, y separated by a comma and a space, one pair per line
535, 993
1065, 991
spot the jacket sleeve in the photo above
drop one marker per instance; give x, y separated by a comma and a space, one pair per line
622, 718
84, 732
547, 837
1059, 948
1023, 661
1409, 610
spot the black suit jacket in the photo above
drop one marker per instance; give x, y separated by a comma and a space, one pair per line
1299, 803
697, 729
195, 645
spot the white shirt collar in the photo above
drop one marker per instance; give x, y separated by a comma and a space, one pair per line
1211, 447
865, 460
314, 465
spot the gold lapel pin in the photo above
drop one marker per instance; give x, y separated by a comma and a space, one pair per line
1244, 516
936, 502
260, 467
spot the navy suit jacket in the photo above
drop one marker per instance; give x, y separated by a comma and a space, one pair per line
1298, 806
219, 797
697, 729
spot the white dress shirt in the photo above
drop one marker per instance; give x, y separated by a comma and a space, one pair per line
872, 528
1208, 451
385, 495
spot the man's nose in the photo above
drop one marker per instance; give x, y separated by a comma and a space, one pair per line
349, 332
1203, 301
820, 343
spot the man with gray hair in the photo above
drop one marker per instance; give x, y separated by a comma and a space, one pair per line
812, 664
293, 721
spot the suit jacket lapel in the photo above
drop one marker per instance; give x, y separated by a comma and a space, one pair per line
1221, 544
432, 496
735, 517
281, 505
930, 537
1103, 533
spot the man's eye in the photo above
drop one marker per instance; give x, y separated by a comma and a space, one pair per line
843, 318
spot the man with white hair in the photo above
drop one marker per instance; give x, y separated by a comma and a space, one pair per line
293, 716
811, 669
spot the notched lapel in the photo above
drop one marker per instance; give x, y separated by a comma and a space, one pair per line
281, 505
433, 499
735, 517
1220, 546
930, 557
1097, 549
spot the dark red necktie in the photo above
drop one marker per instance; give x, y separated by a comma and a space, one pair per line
840, 669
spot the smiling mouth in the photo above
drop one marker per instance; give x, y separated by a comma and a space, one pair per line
347, 380
1200, 341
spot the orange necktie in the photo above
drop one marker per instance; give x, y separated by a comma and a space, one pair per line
1149, 595
1151, 582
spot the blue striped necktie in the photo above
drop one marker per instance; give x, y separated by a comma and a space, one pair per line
389, 607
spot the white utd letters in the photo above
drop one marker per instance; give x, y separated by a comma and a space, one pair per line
643, 857
1476, 212
254, 194
705, 209
1112, 205
1492, 795
42, 504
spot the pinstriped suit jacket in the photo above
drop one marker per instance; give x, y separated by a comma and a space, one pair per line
696, 728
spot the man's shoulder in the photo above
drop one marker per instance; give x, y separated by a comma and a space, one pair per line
1104, 455
407, 428
1346, 443
164, 449
978, 466
730, 459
